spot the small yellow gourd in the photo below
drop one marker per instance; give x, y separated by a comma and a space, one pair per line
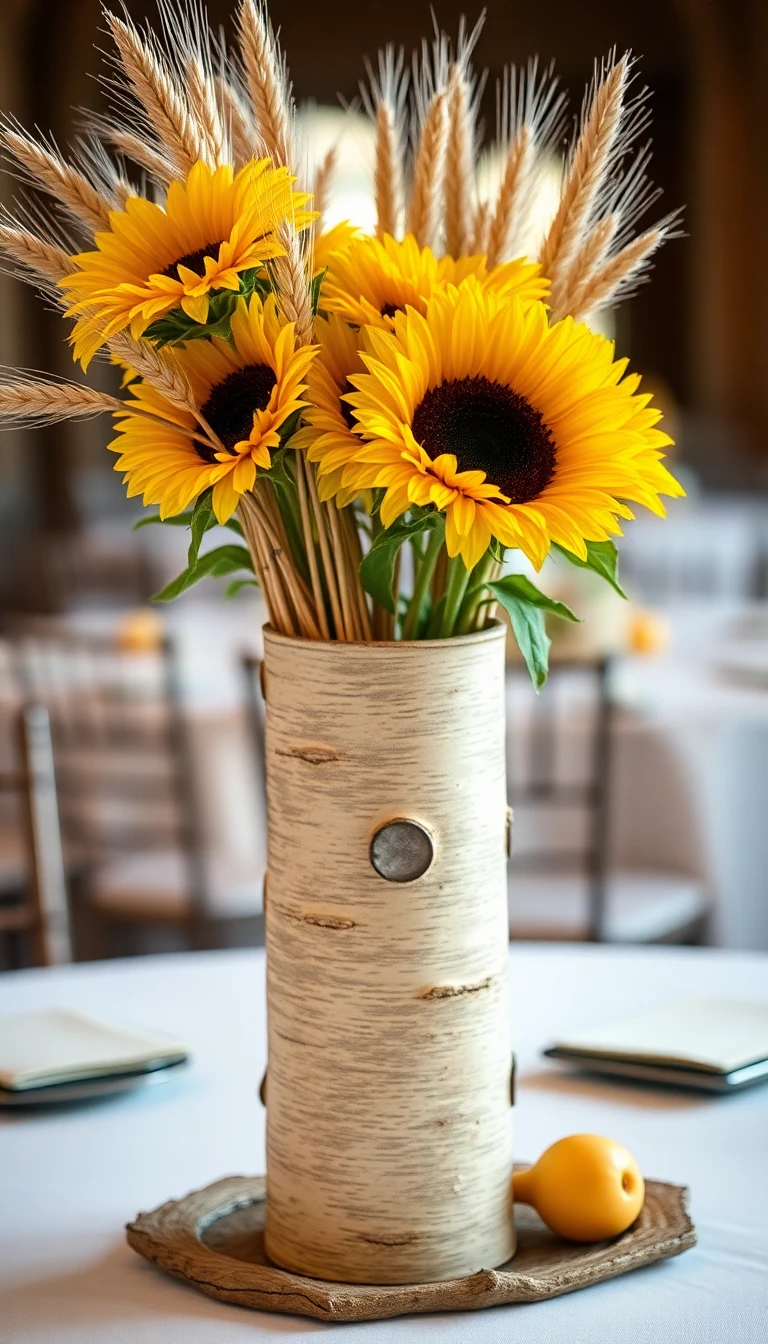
585, 1188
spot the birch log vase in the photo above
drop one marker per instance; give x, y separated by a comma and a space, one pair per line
389, 1124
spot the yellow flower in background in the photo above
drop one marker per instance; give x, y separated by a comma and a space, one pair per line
327, 434
371, 279
516, 429
245, 394
156, 258
331, 242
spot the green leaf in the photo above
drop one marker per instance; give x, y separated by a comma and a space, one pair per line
377, 568
233, 588
202, 520
178, 520
314, 289
216, 564
602, 558
526, 607
176, 328
521, 588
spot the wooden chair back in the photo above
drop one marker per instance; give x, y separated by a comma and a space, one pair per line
41, 910
126, 777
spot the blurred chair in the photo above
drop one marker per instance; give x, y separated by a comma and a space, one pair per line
33, 897
561, 883
95, 568
133, 837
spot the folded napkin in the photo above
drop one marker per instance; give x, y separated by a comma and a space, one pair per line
713, 1035
58, 1046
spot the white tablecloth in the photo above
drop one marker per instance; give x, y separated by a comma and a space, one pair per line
70, 1180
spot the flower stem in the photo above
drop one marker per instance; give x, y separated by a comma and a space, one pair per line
458, 578
423, 580
475, 594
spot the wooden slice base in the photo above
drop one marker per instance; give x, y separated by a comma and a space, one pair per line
214, 1239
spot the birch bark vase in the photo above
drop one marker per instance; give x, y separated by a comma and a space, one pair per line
389, 1136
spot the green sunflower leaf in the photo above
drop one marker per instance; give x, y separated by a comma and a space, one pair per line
377, 568
176, 328
215, 564
202, 520
178, 520
602, 558
526, 607
314, 289
184, 520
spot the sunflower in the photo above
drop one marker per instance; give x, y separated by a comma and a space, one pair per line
245, 394
331, 242
371, 279
327, 434
516, 429
155, 258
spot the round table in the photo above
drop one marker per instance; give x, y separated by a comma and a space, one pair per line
70, 1179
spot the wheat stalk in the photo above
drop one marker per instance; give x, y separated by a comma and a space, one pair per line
265, 80
46, 402
424, 211
201, 92
384, 98
481, 227
241, 130
588, 261
161, 371
459, 164
154, 161
517, 171
620, 274
291, 284
591, 162
386, 175
529, 122
322, 185
159, 95
44, 260
45, 168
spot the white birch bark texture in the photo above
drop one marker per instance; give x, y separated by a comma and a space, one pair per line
389, 1122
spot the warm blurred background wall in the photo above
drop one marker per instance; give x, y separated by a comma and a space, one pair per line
700, 331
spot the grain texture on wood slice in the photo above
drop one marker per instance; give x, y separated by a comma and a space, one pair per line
389, 1127
214, 1240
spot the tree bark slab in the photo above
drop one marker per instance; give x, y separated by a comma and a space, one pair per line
214, 1240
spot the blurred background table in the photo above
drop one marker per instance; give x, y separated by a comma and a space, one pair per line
70, 1179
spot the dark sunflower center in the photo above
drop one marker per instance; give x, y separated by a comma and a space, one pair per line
390, 309
489, 428
194, 261
346, 409
230, 407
